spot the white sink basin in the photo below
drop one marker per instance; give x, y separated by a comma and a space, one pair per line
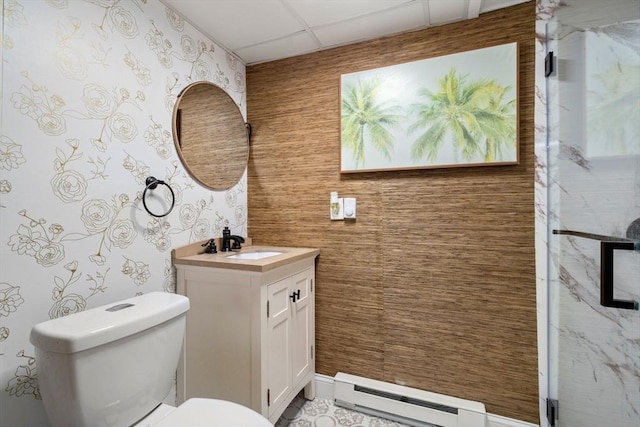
255, 255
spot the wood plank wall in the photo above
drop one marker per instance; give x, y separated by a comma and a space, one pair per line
433, 286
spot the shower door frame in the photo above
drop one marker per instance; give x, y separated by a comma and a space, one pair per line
547, 92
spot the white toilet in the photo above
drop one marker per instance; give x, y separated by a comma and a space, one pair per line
114, 365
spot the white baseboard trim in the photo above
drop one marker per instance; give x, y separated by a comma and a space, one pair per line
324, 390
500, 421
324, 386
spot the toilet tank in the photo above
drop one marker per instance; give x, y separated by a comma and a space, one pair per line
110, 365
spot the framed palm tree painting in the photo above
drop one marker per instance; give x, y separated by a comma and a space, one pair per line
449, 111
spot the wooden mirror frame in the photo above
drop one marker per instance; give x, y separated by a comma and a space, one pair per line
210, 135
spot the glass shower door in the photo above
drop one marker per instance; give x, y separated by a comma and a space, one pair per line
594, 213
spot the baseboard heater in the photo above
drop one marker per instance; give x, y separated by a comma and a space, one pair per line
406, 405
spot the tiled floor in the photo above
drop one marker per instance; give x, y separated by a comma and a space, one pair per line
323, 413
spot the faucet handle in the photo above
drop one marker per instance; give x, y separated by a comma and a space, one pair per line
210, 247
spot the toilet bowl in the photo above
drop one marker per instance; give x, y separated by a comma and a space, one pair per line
198, 412
114, 365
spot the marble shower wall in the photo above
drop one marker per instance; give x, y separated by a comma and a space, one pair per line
589, 180
88, 89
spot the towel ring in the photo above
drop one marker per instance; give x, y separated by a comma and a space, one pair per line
152, 183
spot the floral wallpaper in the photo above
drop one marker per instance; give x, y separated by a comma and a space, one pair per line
88, 88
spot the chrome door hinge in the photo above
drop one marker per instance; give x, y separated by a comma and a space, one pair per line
313, 354
311, 285
268, 397
552, 411
267, 309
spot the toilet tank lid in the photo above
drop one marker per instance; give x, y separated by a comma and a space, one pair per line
101, 325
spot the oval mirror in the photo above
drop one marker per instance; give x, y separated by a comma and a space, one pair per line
210, 135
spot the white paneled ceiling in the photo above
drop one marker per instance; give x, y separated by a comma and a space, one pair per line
266, 30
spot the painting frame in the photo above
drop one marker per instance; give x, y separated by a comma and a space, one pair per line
455, 110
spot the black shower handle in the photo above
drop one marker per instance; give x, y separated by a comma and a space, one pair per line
606, 275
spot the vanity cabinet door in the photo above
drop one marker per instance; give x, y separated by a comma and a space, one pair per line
278, 342
289, 336
302, 325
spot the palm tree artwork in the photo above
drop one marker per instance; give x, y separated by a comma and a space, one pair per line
447, 111
475, 115
366, 120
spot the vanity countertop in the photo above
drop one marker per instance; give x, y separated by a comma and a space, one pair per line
193, 255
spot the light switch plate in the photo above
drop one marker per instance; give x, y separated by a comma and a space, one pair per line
349, 208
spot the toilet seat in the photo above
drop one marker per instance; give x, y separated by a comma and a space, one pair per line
197, 412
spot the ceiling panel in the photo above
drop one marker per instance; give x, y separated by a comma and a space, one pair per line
293, 45
239, 23
316, 13
489, 5
367, 27
267, 30
447, 11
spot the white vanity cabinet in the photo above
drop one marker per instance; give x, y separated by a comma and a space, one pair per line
250, 330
